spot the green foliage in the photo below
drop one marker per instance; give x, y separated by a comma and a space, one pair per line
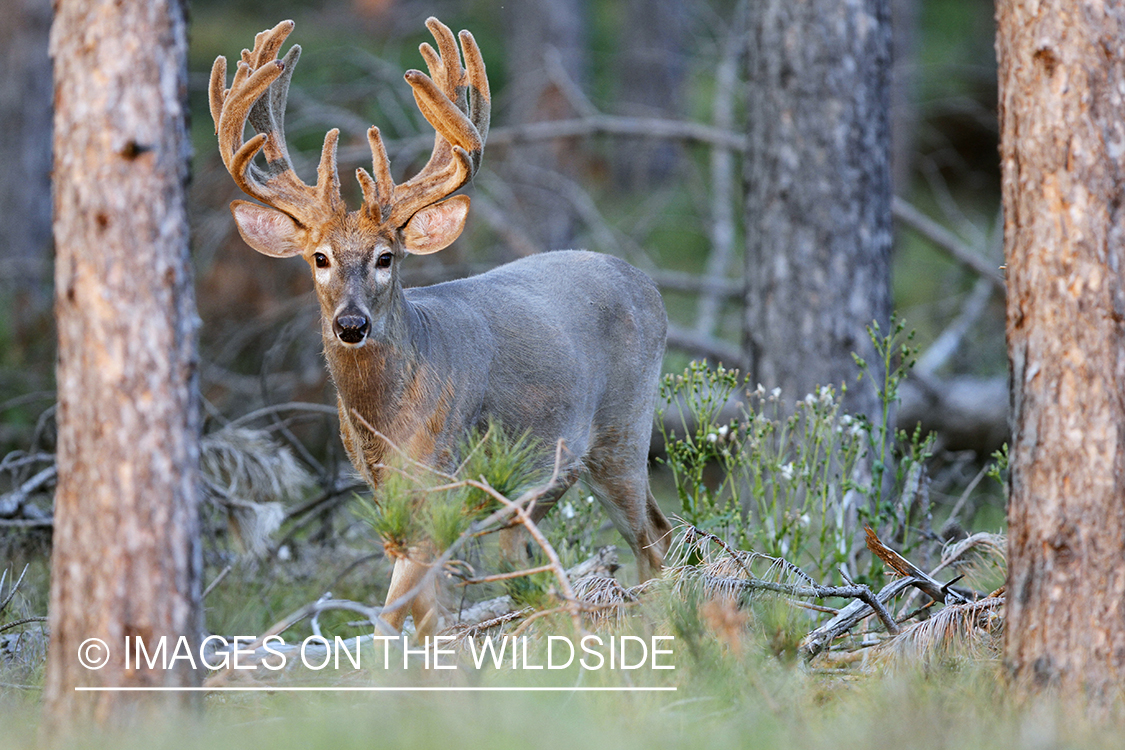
574, 525
998, 469
506, 464
535, 590
798, 481
414, 506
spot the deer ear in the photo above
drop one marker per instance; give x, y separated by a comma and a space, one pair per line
435, 227
268, 230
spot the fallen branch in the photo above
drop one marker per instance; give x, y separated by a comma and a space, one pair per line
849, 616
939, 592
808, 590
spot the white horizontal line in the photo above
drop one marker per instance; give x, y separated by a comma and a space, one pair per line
373, 689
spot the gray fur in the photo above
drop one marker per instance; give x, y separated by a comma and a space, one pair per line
565, 345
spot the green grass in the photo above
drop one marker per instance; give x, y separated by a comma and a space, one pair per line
740, 702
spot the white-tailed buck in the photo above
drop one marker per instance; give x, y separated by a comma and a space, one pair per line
565, 345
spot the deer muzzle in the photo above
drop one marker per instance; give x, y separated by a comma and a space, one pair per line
352, 327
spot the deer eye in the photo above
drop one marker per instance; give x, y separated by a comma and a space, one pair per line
384, 260
321, 260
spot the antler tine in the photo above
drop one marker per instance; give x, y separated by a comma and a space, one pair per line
378, 192
258, 94
480, 104
460, 126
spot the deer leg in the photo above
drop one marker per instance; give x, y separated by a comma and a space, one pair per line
620, 479
513, 540
425, 606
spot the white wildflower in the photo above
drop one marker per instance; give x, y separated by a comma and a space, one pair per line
712, 437
787, 471
810, 399
776, 392
568, 511
825, 395
723, 431
804, 520
589, 499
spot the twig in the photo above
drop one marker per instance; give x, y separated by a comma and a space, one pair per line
810, 590
537, 535
817, 640
945, 240
11, 503
693, 343
24, 621
640, 127
507, 576
268, 411
917, 577
11, 591
218, 579
340, 487
679, 281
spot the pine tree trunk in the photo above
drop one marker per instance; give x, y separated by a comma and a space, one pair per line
651, 63
1062, 74
126, 557
818, 205
538, 31
25, 156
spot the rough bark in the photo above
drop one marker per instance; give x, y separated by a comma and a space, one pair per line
818, 200
126, 558
1062, 79
546, 49
651, 64
25, 154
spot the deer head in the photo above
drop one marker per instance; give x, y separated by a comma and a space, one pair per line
353, 254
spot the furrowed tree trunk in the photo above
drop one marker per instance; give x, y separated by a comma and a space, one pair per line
1062, 75
818, 201
126, 557
546, 43
25, 157
651, 64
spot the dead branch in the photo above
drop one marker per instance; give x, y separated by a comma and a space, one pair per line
590, 125
947, 242
218, 579
694, 343
849, 616
507, 576
11, 591
17, 623
12, 502
918, 578
808, 590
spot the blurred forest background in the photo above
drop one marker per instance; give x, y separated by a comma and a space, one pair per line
617, 126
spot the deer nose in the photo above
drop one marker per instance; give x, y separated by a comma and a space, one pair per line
352, 328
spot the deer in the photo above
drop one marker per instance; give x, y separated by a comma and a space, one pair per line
564, 345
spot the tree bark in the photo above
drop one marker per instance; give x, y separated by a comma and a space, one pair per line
651, 64
1062, 78
25, 155
818, 196
545, 41
126, 555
